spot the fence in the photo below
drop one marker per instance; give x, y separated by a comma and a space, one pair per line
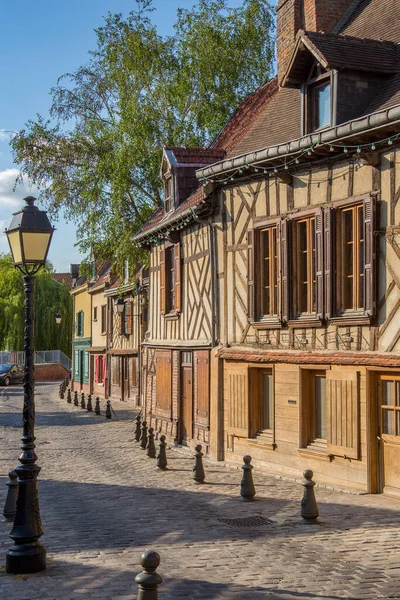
42, 356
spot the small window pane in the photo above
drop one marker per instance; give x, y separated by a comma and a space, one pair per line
388, 421
388, 393
323, 105
267, 400
397, 393
320, 407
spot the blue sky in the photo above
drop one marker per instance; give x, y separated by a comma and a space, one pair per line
39, 41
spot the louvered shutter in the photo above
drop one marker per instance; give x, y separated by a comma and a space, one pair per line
104, 370
319, 263
251, 275
203, 387
164, 381
329, 260
342, 408
285, 269
369, 268
238, 400
97, 368
279, 271
162, 282
177, 277
77, 324
128, 318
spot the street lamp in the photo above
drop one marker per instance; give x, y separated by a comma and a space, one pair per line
58, 318
119, 305
29, 236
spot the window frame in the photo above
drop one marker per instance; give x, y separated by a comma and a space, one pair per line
167, 308
169, 203
309, 88
95, 313
333, 281
103, 319
308, 438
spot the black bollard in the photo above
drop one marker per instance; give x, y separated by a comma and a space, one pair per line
108, 409
162, 454
61, 392
309, 507
69, 397
151, 449
89, 406
76, 402
10, 506
143, 436
83, 404
247, 489
137, 428
97, 406
148, 580
198, 469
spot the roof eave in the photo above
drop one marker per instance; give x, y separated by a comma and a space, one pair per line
338, 133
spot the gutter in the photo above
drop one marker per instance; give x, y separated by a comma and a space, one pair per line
342, 132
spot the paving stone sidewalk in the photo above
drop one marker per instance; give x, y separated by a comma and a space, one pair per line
103, 502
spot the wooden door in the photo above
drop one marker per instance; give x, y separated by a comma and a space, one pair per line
187, 397
125, 392
389, 433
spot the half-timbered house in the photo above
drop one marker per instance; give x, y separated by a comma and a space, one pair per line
301, 225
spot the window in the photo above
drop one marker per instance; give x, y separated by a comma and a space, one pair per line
390, 405
317, 93
95, 313
79, 323
269, 256
170, 279
169, 194
304, 267
187, 358
351, 258
126, 319
321, 105
315, 408
103, 318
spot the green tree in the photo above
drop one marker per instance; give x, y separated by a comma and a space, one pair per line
51, 297
96, 156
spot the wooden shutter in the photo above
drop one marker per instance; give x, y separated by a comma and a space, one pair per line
330, 280
128, 318
86, 365
97, 368
104, 371
162, 282
77, 324
369, 245
134, 372
82, 323
319, 262
238, 399
285, 269
163, 381
342, 408
203, 387
177, 277
251, 275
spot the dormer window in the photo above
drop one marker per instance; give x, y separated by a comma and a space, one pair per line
318, 99
169, 194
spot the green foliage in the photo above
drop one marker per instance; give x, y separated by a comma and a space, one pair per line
51, 297
97, 155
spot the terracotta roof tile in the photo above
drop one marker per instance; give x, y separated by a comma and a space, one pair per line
375, 19
203, 156
63, 278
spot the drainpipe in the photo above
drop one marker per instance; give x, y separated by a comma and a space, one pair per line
213, 267
139, 345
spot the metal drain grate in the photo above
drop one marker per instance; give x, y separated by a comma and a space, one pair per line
247, 522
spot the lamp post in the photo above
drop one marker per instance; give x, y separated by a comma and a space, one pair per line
29, 236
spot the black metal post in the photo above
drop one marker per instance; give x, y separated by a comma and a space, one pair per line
27, 555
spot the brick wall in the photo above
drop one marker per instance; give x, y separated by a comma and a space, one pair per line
311, 15
50, 372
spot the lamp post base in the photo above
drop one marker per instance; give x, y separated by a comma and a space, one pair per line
26, 558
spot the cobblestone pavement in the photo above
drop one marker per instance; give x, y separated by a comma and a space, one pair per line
103, 502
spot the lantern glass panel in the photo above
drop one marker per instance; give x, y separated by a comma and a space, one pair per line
35, 246
15, 246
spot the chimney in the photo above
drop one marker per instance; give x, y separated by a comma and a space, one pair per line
311, 15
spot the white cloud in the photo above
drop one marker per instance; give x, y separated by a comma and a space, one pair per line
5, 136
7, 196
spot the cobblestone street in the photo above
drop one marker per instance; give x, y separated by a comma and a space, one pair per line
103, 501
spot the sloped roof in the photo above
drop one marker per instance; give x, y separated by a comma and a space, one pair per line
63, 278
196, 156
374, 19
340, 52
